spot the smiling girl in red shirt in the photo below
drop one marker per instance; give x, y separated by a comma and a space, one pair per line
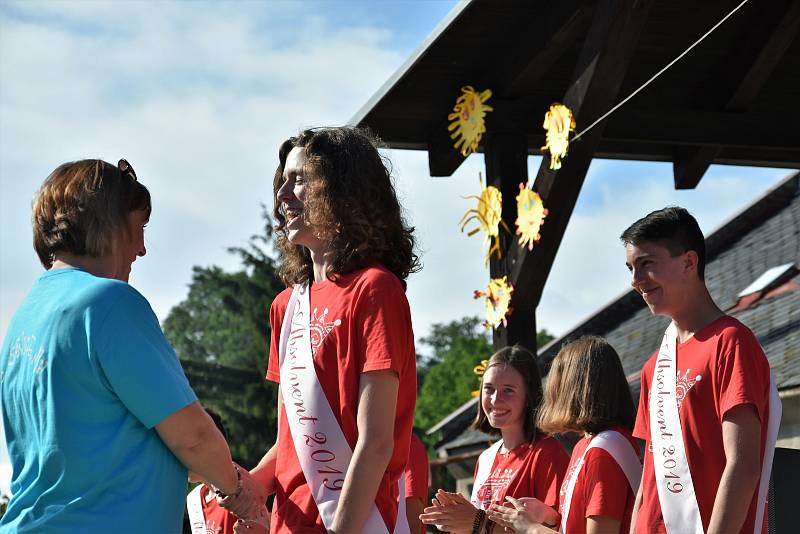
525, 462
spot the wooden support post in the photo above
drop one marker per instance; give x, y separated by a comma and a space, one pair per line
506, 157
601, 67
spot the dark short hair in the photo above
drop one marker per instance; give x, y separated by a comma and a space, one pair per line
217, 421
587, 390
350, 201
82, 208
526, 364
673, 228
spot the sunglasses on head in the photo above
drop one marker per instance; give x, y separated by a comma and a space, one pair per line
126, 169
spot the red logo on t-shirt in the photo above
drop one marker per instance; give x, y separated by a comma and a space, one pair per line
489, 492
320, 328
684, 384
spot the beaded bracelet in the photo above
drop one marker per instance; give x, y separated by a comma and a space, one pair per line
239, 486
476, 523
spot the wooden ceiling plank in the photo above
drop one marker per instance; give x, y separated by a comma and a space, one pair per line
566, 28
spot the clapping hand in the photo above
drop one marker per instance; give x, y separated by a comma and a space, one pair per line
524, 516
451, 512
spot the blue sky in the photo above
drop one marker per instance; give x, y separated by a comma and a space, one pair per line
198, 96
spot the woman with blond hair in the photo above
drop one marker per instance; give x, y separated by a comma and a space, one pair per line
100, 421
587, 393
524, 463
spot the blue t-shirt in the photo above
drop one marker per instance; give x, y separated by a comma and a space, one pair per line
85, 375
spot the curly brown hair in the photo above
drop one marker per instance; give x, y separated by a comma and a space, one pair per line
82, 207
350, 202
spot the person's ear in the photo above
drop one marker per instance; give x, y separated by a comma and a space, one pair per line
690, 261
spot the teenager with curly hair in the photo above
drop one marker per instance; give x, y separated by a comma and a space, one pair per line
342, 346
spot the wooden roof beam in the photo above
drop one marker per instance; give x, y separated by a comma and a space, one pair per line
690, 164
601, 68
667, 126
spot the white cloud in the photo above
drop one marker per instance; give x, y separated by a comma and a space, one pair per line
197, 99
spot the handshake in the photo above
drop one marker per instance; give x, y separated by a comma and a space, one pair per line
247, 503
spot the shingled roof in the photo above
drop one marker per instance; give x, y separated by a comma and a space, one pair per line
762, 236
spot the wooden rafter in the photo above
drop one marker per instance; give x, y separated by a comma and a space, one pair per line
601, 67
748, 129
691, 163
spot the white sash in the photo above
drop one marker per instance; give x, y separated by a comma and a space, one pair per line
673, 477
321, 446
621, 450
194, 505
774, 424
671, 466
485, 463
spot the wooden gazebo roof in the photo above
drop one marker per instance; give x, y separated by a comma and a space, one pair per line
732, 100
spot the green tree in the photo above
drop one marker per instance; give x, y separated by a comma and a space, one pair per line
543, 337
221, 335
447, 375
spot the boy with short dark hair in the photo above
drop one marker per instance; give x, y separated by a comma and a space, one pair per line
708, 410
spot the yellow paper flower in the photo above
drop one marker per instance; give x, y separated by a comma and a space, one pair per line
479, 370
558, 122
498, 301
468, 118
489, 215
530, 216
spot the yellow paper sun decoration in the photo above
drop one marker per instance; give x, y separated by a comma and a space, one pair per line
530, 216
479, 370
498, 301
558, 122
489, 215
468, 118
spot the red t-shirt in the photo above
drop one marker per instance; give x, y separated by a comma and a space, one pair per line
218, 519
417, 473
722, 366
528, 470
417, 470
599, 488
360, 322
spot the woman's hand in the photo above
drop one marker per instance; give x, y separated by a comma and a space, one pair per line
525, 516
450, 512
251, 499
258, 525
